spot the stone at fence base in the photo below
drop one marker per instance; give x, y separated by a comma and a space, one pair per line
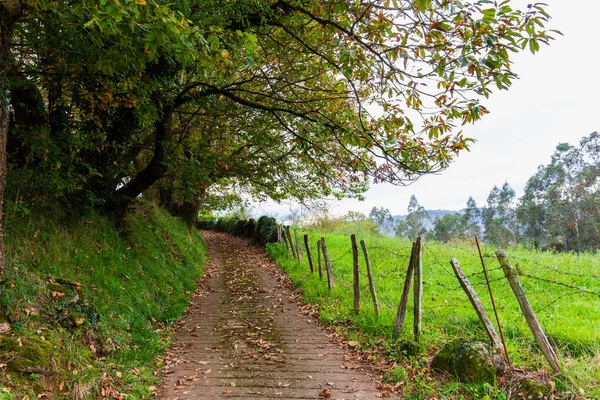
408, 348
530, 389
470, 361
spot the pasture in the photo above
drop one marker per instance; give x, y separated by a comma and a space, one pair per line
563, 288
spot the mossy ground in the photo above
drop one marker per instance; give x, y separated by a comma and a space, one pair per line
93, 304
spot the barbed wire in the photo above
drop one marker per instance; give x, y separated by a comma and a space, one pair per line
581, 290
554, 269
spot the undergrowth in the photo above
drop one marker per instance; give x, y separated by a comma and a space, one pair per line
91, 308
570, 313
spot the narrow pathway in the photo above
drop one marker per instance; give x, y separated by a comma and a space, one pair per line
246, 336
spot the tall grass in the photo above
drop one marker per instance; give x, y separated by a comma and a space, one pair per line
134, 285
564, 290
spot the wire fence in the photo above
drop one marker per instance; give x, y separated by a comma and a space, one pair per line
564, 290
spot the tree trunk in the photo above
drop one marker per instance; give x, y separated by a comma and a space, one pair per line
188, 210
9, 12
155, 169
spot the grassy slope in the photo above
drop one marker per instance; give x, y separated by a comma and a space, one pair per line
134, 286
572, 319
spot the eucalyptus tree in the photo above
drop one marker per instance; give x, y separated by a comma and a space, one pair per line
561, 204
499, 217
414, 224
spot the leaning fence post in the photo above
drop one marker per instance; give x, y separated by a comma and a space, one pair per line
418, 291
370, 276
308, 254
285, 240
319, 250
327, 264
476, 303
288, 235
355, 274
534, 324
298, 246
399, 324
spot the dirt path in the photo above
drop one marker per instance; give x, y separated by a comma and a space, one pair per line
246, 336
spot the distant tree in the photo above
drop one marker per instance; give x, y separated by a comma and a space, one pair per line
470, 220
414, 225
401, 229
382, 217
561, 204
354, 216
499, 217
533, 210
448, 227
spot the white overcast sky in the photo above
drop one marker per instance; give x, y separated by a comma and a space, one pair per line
556, 99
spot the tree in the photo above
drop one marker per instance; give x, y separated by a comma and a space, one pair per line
499, 217
414, 224
471, 219
447, 227
108, 99
382, 217
10, 12
561, 207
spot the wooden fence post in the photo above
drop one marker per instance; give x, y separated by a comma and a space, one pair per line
476, 303
355, 274
308, 254
298, 246
327, 264
418, 290
370, 276
279, 233
399, 325
534, 324
287, 245
319, 251
288, 235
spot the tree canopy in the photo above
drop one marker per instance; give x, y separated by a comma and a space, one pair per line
284, 99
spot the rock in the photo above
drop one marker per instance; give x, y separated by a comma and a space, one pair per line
26, 356
530, 389
409, 348
469, 360
57, 288
4, 324
77, 319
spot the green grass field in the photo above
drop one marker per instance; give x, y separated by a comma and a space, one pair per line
564, 290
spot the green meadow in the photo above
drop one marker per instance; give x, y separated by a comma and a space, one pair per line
563, 288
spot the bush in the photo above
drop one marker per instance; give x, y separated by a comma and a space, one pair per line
263, 231
206, 222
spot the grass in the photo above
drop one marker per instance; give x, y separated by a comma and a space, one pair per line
105, 327
564, 290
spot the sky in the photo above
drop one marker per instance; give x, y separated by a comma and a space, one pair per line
555, 100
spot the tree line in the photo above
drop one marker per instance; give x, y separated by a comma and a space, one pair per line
559, 210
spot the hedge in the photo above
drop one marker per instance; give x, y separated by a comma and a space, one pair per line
264, 230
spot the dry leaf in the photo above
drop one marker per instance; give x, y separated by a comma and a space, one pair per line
325, 393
